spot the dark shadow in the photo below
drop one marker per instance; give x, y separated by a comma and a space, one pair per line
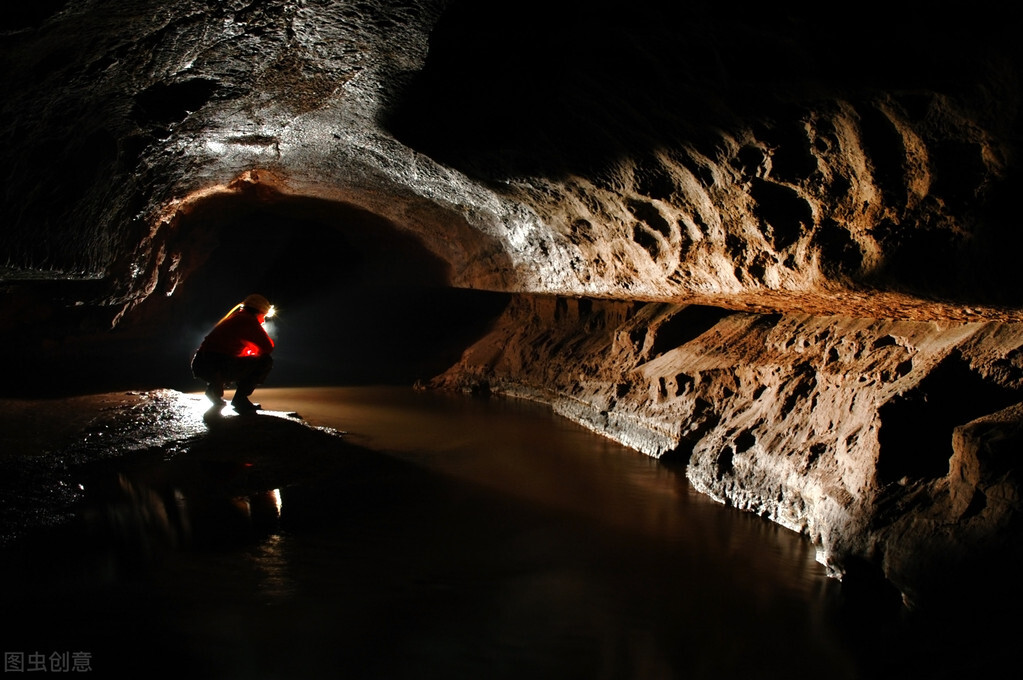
549, 88
162, 104
687, 324
915, 438
18, 17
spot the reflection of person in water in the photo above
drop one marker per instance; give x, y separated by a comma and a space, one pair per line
237, 351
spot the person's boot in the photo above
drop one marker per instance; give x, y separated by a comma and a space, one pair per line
215, 395
241, 404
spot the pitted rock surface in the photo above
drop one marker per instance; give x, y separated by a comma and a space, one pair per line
887, 442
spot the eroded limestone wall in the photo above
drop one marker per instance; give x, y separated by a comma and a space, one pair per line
749, 156
889, 443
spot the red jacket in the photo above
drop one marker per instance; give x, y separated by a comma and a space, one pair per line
239, 334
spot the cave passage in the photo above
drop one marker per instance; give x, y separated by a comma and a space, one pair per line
358, 302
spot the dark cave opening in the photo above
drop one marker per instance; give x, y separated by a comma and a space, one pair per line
359, 302
915, 437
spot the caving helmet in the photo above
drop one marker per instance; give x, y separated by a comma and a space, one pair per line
258, 303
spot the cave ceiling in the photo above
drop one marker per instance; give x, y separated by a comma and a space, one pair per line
743, 156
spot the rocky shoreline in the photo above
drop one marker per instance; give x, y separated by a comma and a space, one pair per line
887, 443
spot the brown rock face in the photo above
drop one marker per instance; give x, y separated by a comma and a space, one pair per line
777, 246
886, 442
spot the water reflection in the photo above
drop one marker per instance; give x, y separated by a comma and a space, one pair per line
132, 525
276, 582
520, 450
471, 539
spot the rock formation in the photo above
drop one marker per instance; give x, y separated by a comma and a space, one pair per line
776, 246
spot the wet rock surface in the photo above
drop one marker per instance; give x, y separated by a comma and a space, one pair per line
838, 191
885, 442
173, 550
54, 455
153, 473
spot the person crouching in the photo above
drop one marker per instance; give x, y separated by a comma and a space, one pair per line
237, 351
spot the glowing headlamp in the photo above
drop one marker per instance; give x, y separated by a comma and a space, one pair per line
270, 312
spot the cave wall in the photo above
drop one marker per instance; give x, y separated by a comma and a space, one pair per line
753, 157
732, 151
891, 444
773, 243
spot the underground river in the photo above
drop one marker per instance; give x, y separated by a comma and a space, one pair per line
411, 534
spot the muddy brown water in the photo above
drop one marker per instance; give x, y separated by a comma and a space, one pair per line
482, 538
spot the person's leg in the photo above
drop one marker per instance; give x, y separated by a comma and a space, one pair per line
215, 392
252, 371
209, 369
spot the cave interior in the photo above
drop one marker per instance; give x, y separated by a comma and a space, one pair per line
774, 246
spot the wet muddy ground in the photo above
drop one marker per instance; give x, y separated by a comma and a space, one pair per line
393, 534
